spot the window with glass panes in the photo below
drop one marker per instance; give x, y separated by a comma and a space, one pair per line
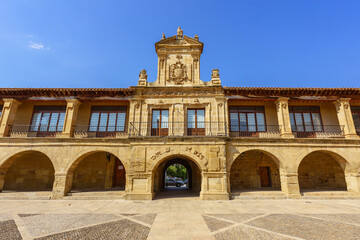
107, 119
160, 122
247, 119
48, 118
356, 116
160, 118
196, 121
305, 119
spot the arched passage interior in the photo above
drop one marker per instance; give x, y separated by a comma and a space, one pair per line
322, 170
27, 171
193, 171
254, 170
97, 171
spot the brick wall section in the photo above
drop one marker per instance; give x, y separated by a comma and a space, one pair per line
321, 171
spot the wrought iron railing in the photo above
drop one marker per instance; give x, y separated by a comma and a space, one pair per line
35, 131
318, 131
176, 129
255, 131
86, 131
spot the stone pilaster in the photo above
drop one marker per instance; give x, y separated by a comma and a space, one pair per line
8, 115
290, 185
61, 186
345, 117
353, 182
70, 117
282, 109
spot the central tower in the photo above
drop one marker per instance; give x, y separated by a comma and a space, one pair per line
179, 63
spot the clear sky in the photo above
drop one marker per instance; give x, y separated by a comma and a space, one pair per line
105, 43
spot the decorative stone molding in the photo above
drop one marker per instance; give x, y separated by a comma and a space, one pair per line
283, 117
7, 118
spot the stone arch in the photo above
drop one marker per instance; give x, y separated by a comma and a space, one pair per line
27, 170
255, 169
96, 170
275, 156
322, 170
193, 167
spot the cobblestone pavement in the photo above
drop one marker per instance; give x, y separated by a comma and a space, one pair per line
180, 219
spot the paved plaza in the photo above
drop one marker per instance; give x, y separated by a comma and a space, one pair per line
181, 218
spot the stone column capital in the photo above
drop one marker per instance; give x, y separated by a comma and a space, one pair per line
72, 102
10, 101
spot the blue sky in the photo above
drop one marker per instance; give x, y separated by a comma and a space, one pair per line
88, 43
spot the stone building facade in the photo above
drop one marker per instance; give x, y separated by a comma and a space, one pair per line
230, 139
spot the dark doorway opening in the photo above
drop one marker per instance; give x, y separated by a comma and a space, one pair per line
177, 178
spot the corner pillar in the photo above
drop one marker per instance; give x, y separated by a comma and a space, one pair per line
345, 118
290, 185
8, 115
353, 182
62, 184
70, 117
139, 186
214, 186
282, 109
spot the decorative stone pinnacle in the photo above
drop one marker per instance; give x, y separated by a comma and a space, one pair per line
143, 74
196, 37
163, 36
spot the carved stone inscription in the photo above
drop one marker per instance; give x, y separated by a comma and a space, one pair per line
159, 153
195, 152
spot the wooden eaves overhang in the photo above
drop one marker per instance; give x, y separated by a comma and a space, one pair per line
81, 93
294, 93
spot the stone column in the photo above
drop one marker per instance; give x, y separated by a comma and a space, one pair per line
70, 117
282, 110
290, 184
345, 117
8, 115
2, 180
110, 173
61, 186
353, 182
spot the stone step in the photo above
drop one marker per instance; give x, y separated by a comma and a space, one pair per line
46, 195
329, 195
258, 195
96, 195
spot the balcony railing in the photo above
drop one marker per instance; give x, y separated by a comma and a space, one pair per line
35, 131
177, 129
255, 131
86, 131
318, 131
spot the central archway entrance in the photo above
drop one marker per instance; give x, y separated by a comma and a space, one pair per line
177, 177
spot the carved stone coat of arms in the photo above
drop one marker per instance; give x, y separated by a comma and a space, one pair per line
178, 73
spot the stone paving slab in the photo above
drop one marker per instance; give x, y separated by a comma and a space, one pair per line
215, 224
307, 227
9, 231
45, 224
121, 229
